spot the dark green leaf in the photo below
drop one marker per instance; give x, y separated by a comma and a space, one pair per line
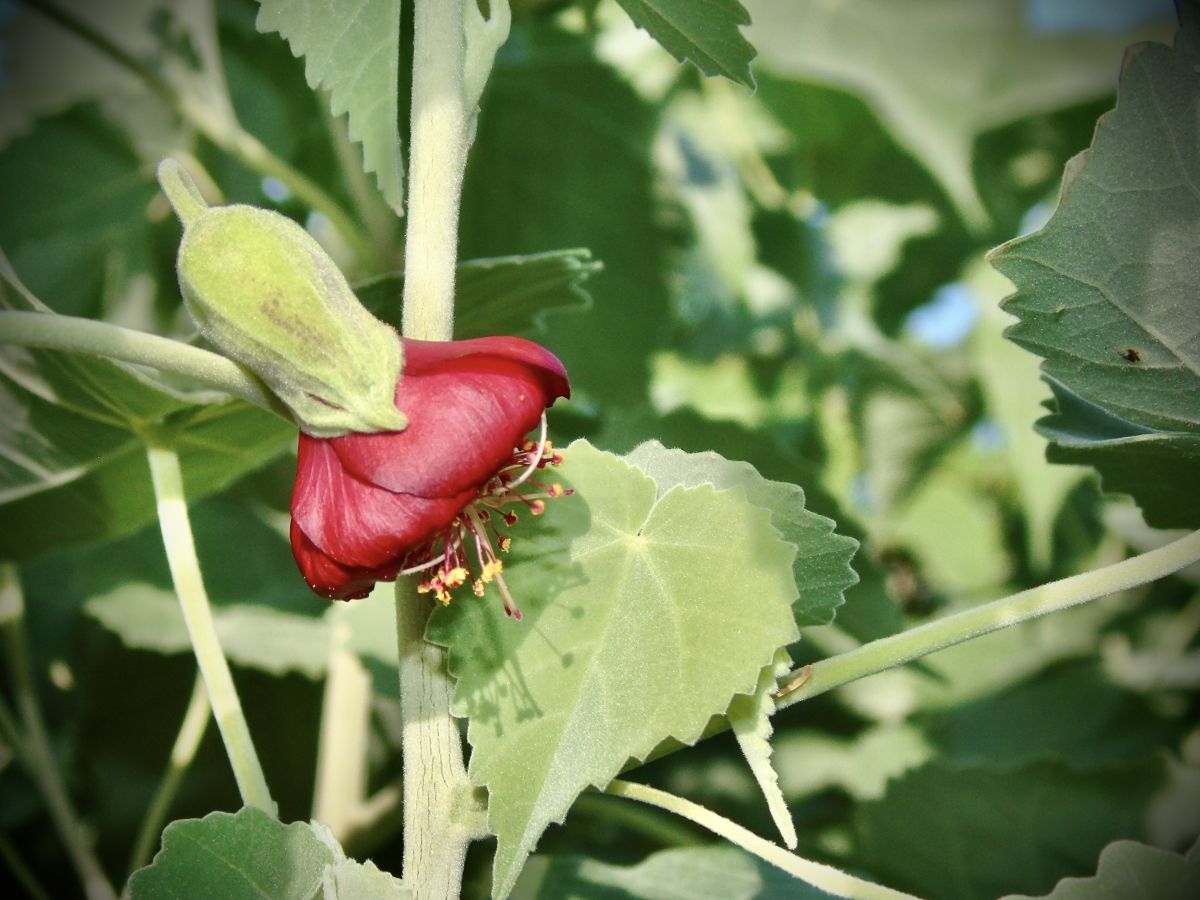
706, 33
1038, 823
1133, 871
506, 295
1103, 291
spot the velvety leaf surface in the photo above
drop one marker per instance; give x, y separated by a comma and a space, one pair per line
648, 606
896, 56
696, 873
1037, 822
1104, 289
246, 854
1132, 871
705, 33
353, 51
822, 568
505, 295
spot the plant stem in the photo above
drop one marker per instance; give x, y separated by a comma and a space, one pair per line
187, 742
341, 781
898, 649
193, 599
827, 878
438, 147
76, 335
34, 747
435, 781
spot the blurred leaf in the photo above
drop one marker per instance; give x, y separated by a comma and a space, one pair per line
354, 53
821, 570
1014, 391
246, 854
896, 57
1160, 469
750, 718
1103, 290
1132, 871
647, 608
810, 761
553, 119
705, 33
1038, 823
75, 197
697, 873
505, 295
1070, 714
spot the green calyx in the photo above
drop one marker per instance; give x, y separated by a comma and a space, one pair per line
262, 290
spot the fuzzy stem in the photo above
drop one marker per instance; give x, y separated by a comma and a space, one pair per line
187, 742
898, 649
34, 747
193, 599
76, 335
435, 780
827, 878
438, 147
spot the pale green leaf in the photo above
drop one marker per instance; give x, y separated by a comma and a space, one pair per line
1132, 871
1104, 290
239, 855
688, 873
897, 56
503, 295
750, 718
647, 608
706, 33
822, 568
350, 880
353, 51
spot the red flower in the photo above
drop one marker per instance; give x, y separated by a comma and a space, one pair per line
367, 507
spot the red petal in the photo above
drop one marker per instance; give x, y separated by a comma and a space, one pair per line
359, 525
327, 577
468, 404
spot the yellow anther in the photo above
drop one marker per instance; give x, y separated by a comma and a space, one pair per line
477, 587
491, 569
556, 490
456, 577
537, 507
505, 542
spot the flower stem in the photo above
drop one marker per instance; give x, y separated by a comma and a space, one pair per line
76, 335
827, 878
898, 649
438, 146
34, 747
189, 585
435, 780
187, 742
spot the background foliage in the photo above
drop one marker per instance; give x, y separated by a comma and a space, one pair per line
793, 277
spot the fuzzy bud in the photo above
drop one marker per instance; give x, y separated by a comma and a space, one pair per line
262, 290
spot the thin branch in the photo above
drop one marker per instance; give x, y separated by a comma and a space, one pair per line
827, 878
898, 649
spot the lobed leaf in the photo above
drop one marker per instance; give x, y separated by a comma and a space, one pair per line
353, 51
648, 606
1132, 871
1104, 290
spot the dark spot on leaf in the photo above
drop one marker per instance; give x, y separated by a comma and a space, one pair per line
1131, 355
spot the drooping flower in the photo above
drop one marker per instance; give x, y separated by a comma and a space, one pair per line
438, 497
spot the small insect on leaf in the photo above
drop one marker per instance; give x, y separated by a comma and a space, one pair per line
1131, 355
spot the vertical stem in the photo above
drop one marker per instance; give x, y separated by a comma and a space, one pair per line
341, 782
34, 746
437, 159
435, 780
189, 585
187, 742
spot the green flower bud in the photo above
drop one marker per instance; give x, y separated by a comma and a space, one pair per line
262, 290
